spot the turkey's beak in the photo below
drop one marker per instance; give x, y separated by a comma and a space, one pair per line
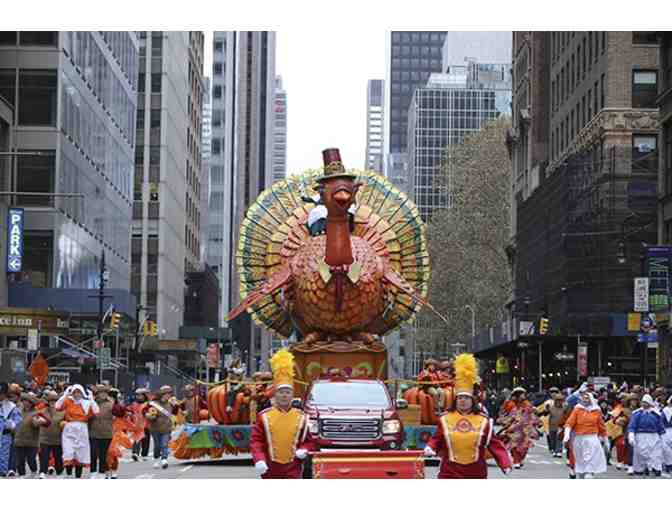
342, 198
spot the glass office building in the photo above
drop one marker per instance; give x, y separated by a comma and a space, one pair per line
441, 114
74, 97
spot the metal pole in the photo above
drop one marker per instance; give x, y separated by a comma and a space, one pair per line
540, 366
116, 354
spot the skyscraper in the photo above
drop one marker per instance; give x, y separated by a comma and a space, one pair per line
167, 173
280, 131
412, 57
206, 151
241, 162
74, 101
441, 114
375, 121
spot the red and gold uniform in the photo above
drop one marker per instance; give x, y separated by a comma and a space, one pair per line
279, 439
275, 438
462, 438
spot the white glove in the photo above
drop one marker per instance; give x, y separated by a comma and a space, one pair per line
631, 438
567, 435
261, 467
229, 409
301, 453
429, 452
583, 387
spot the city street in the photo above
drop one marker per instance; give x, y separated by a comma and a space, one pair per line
539, 465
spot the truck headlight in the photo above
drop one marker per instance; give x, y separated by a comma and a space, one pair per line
391, 426
313, 426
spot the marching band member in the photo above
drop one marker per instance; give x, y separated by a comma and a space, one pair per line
464, 434
75, 437
645, 433
279, 440
10, 417
585, 427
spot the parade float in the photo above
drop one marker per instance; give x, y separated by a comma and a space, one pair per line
338, 259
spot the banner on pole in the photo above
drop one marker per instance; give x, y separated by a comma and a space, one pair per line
582, 360
641, 294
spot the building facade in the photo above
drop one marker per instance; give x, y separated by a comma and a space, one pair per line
412, 57
665, 140
241, 163
279, 131
460, 48
206, 152
375, 125
441, 114
73, 96
165, 234
585, 161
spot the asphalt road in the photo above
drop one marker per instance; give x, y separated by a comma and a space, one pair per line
539, 465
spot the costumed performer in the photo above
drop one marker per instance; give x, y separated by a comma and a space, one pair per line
279, 440
585, 428
75, 437
645, 434
464, 433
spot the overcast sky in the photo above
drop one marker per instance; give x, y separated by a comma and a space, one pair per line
325, 79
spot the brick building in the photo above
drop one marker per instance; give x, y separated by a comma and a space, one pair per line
584, 151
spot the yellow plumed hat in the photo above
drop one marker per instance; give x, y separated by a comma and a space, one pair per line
466, 374
282, 365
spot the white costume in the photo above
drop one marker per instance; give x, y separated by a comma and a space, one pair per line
645, 433
667, 438
75, 436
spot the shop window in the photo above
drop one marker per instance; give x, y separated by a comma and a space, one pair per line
644, 89
37, 97
35, 174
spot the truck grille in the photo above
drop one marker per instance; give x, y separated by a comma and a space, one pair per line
350, 429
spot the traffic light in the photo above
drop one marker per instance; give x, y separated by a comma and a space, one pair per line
543, 326
115, 319
151, 328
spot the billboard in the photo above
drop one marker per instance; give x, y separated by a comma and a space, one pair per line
14, 240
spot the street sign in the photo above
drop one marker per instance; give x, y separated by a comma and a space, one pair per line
658, 262
104, 358
32, 340
641, 294
14, 240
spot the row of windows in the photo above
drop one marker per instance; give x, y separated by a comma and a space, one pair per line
567, 79
565, 130
418, 37
95, 70
29, 38
124, 52
560, 41
88, 132
35, 98
416, 51
155, 82
425, 65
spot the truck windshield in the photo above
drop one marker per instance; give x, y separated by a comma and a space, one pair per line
349, 394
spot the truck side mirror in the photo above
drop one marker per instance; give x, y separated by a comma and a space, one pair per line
297, 403
401, 404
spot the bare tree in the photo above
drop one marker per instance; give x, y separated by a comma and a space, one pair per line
467, 241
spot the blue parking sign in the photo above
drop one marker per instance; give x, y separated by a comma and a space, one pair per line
14, 240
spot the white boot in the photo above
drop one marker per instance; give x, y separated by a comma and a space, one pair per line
157, 464
164, 464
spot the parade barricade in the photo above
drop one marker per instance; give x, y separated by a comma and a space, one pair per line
368, 464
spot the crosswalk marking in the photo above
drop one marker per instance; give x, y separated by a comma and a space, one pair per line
146, 476
185, 469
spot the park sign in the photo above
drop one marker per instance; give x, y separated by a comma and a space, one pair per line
14, 240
